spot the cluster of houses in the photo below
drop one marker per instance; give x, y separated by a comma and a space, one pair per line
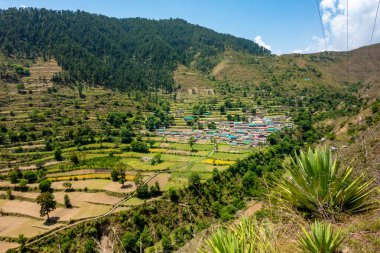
252, 133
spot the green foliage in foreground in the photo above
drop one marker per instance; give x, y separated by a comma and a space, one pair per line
246, 236
321, 239
315, 184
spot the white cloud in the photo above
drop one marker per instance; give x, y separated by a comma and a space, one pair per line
361, 15
260, 41
328, 4
23, 6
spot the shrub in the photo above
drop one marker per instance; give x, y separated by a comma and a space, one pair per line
315, 184
67, 201
58, 154
321, 238
45, 185
245, 236
30, 176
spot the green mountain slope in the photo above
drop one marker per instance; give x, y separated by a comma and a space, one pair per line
122, 54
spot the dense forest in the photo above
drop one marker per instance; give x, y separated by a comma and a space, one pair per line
122, 54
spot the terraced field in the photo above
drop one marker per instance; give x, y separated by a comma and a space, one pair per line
44, 113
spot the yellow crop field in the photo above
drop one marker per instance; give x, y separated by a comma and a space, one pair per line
158, 150
217, 162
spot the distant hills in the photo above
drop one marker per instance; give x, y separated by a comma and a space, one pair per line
122, 54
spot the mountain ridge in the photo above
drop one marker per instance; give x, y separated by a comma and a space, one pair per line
122, 54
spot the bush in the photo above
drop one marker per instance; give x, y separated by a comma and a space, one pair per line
67, 201
173, 195
315, 184
129, 241
139, 146
156, 159
14, 175
73, 158
30, 176
58, 154
321, 238
45, 185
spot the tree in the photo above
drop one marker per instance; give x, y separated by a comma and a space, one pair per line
20, 88
120, 168
47, 203
138, 180
67, 201
145, 239
30, 176
194, 181
156, 159
191, 142
90, 246
68, 186
129, 241
115, 174
166, 243
40, 165
126, 135
14, 175
249, 182
45, 185
139, 146
58, 154
22, 183
173, 195
74, 158
211, 125
143, 191
155, 190
9, 194
222, 109
21, 240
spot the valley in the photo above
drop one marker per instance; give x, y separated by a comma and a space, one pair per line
142, 136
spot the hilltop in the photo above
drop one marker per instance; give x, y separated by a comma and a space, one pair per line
123, 54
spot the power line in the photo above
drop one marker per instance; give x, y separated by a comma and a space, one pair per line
320, 19
373, 29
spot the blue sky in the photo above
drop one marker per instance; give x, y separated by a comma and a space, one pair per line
285, 26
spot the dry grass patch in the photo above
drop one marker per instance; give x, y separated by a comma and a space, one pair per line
12, 226
4, 246
100, 184
162, 179
21, 207
78, 197
85, 210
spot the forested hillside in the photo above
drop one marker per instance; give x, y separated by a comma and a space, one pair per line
122, 54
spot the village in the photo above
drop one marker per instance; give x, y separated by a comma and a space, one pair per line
252, 133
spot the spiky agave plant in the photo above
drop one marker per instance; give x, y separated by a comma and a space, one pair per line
314, 183
246, 236
321, 239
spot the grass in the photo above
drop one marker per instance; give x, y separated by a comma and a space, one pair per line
229, 156
134, 202
137, 164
